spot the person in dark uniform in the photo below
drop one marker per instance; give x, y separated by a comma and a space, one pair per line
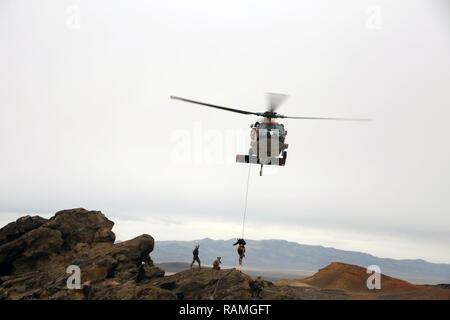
88, 290
240, 241
256, 287
140, 272
195, 257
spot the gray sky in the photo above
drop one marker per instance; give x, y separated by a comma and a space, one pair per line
86, 119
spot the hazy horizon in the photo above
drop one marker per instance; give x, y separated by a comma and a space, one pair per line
122, 231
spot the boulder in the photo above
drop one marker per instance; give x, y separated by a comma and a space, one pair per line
71, 237
82, 226
19, 227
23, 253
206, 284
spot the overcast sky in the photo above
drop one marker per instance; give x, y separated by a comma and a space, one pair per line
86, 119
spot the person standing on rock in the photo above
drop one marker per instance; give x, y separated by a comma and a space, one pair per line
195, 257
256, 287
140, 272
88, 290
241, 249
217, 263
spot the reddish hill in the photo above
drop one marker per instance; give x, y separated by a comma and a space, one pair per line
353, 279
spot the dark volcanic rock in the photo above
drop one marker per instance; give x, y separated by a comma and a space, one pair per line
206, 284
81, 225
35, 253
24, 252
19, 227
32, 240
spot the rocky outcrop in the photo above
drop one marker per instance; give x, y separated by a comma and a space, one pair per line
206, 284
16, 229
35, 253
82, 226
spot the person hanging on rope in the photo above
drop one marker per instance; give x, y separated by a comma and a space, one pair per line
195, 257
241, 249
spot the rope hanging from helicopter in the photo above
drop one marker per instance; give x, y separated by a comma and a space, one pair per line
246, 201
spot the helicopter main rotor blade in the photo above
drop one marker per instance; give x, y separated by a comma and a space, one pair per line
274, 100
215, 106
320, 118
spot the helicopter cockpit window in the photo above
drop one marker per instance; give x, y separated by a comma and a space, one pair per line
273, 128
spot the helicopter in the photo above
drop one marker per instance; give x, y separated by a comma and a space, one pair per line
268, 137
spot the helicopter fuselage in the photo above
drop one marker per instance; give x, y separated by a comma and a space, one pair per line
267, 140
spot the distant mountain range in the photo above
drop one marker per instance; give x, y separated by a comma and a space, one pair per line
290, 257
